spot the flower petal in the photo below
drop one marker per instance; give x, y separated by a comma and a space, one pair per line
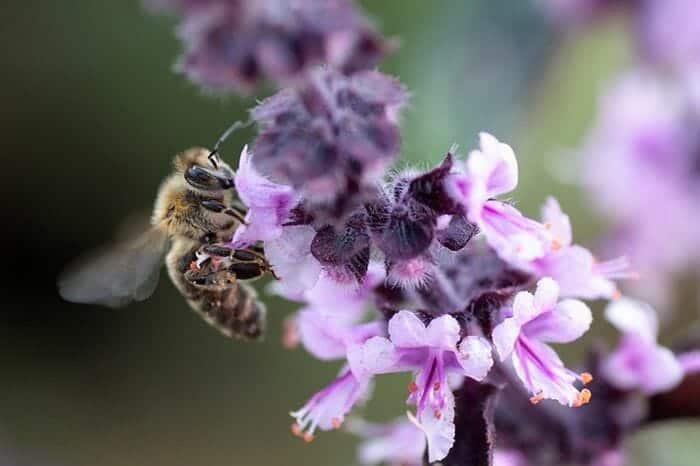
442, 332
400, 442
524, 308
321, 335
640, 364
557, 222
543, 373
406, 330
439, 430
569, 320
291, 258
475, 357
546, 294
630, 316
375, 356
504, 336
494, 165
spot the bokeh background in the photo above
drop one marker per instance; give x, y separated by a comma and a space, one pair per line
91, 117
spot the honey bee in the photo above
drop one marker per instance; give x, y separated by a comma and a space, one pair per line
194, 216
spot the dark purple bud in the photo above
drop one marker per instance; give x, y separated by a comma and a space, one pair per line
406, 233
457, 233
429, 189
345, 249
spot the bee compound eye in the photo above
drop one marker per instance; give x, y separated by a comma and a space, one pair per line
200, 178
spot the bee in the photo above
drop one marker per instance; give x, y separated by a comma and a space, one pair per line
194, 216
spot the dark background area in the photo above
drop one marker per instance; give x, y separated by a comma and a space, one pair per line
91, 116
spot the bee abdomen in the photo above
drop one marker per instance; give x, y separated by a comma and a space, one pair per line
235, 311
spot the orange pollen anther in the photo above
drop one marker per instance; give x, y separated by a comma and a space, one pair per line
583, 398
437, 414
556, 244
548, 225
616, 294
586, 378
436, 386
412, 387
536, 398
296, 430
308, 437
336, 423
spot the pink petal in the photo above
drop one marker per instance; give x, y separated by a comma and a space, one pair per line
439, 431
569, 320
375, 356
546, 294
475, 357
321, 335
291, 258
640, 364
690, 362
494, 165
406, 330
524, 309
442, 332
557, 222
541, 370
400, 442
504, 337
636, 317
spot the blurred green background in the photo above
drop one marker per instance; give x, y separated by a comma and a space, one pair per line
91, 117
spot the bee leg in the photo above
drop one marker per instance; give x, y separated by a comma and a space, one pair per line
217, 250
232, 212
253, 255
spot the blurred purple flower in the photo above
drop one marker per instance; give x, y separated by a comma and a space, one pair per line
234, 44
574, 267
332, 136
669, 32
645, 136
639, 362
399, 443
536, 320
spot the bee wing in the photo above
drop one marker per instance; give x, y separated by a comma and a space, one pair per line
116, 276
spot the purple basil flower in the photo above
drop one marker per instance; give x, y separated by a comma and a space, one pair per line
291, 258
639, 362
234, 44
327, 408
535, 321
268, 203
331, 137
669, 32
574, 267
645, 135
432, 352
490, 172
330, 320
399, 443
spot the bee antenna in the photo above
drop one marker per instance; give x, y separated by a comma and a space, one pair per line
236, 126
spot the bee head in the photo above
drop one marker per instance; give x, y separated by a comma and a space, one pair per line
203, 170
